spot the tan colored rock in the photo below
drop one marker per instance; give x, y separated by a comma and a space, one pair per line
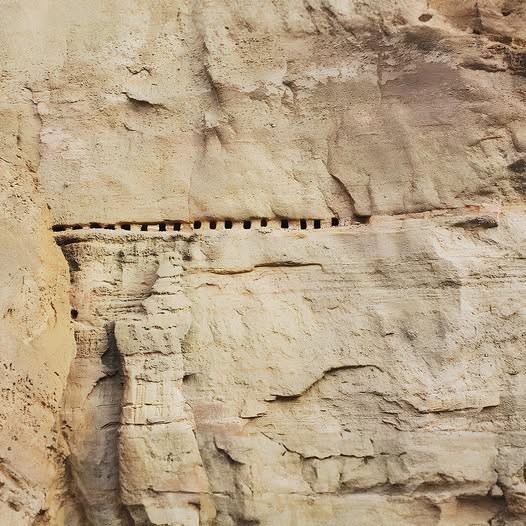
172, 110
310, 375
161, 473
368, 374
37, 344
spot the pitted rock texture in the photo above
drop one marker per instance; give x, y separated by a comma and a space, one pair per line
245, 109
363, 375
36, 340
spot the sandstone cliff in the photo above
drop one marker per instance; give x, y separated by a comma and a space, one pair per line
295, 234
36, 338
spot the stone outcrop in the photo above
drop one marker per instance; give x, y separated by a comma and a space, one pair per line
297, 108
169, 484
367, 371
36, 340
295, 239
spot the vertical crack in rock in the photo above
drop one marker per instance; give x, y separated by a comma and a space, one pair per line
91, 413
95, 482
344, 193
161, 469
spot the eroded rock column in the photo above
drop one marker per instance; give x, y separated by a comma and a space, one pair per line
162, 476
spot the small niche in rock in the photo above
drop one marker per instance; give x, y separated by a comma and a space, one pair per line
247, 225
264, 222
518, 166
110, 227
95, 225
77, 227
303, 224
228, 224
144, 228
213, 225
74, 314
177, 227
284, 223
362, 219
335, 221
126, 226
162, 227
197, 225
58, 228
317, 223
426, 17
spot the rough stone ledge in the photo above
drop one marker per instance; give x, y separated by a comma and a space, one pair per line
471, 216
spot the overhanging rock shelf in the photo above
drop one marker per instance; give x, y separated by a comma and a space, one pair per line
475, 215
223, 224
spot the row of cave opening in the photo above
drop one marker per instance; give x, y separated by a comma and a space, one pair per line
197, 225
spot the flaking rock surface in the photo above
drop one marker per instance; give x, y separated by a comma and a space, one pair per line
361, 375
295, 108
36, 338
366, 374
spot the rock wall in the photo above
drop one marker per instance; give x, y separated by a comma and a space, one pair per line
365, 373
36, 340
298, 108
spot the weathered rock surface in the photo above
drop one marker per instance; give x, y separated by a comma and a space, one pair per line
36, 340
364, 374
297, 108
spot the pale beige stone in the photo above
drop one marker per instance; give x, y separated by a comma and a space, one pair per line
36, 341
332, 367
370, 374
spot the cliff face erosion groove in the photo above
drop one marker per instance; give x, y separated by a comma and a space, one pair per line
330, 329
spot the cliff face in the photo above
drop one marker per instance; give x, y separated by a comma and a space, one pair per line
183, 110
365, 370
365, 374
37, 343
